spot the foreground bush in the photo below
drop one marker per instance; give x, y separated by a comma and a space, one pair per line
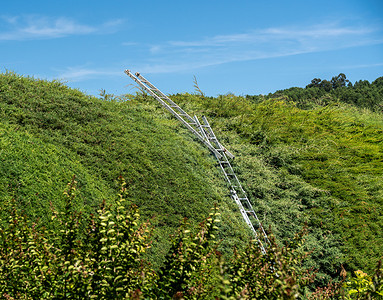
100, 256
96, 256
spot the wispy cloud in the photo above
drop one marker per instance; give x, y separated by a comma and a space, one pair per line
315, 35
182, 55
264, 43
40, 27
80, 73
363, 66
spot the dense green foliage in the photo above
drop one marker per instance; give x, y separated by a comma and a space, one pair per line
362, 93
100, 256
50, 133
321, 165
303, 155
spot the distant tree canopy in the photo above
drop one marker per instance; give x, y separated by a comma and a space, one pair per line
336, 82
362, 93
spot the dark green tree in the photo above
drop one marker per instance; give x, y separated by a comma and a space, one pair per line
316, 82
339, 81
326, 85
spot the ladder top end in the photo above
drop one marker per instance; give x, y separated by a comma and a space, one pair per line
127, 71
137, 74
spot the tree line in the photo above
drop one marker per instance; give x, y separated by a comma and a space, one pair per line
362, 93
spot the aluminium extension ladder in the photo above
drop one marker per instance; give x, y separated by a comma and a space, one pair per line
205, 134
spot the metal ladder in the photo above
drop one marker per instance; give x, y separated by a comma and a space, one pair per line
237, 193
172, 107
205, 134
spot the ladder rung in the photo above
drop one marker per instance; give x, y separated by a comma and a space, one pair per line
226, 167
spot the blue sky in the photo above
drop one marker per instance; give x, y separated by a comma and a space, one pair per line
241, 47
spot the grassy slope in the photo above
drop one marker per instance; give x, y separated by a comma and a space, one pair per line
34, 173
49, 133
322, 166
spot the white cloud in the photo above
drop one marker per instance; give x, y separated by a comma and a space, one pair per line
54, 28
113, 23
10, 19
41, 27
257, 44
75, 74
155, 49
179, 56
362, 66
274, 35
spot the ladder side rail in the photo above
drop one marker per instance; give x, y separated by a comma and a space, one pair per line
247, 220
260, 243
251, 207
238, 183
145, 85
240, 188
251, 225
223, 157
164, 104
164, 96
202, 131
234, 193
227, 152
213, 138
235, 178
225, 173
252, 212
237, 186
239, 203
142, 78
